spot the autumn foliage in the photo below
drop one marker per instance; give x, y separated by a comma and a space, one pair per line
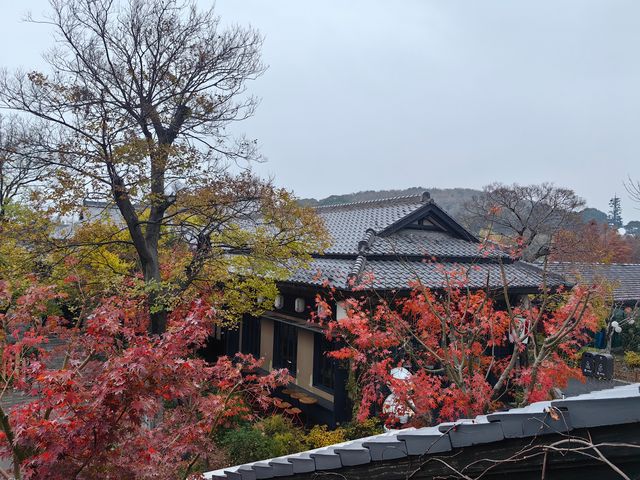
467, 354
112, 401
595, 243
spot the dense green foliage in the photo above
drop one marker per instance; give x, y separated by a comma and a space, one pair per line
247, 444
277, 435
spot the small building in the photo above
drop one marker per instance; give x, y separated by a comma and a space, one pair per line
378, 247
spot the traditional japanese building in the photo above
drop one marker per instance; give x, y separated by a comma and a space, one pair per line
377, 246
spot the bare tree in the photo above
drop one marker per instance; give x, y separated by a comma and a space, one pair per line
633, 189
137, 102
529, 215
21, 169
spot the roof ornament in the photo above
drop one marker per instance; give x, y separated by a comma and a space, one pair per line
356, 270
365, 243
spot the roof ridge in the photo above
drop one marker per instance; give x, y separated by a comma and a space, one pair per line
398, 199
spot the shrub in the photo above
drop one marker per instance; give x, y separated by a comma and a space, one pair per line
275, 424
632, 359
248, 444
276, 435
354, 430
320, 436
287, 438
290, 442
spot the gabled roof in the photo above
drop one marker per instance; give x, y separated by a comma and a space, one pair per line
624, 277
388, 243
618, 406
348, 223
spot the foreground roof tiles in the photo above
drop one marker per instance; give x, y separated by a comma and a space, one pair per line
615, 406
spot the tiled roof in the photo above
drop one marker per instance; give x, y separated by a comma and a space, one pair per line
381, 240
625, 277
616, 406
398, 274
428, 244
348, 223
391, 274
319, 270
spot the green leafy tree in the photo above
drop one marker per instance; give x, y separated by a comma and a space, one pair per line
615, 214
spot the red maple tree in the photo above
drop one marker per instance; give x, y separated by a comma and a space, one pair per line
112, 401
466, 354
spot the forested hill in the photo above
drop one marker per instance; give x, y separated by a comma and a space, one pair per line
451, 199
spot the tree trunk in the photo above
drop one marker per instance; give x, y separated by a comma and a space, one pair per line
157, 309
146, 245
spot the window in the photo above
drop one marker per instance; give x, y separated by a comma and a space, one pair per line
251, 335
323, 366
285, 346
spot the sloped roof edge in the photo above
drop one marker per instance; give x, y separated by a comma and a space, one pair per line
615, 406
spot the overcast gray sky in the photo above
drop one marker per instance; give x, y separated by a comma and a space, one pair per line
371, 94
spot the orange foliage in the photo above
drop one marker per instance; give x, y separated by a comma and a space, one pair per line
593, 243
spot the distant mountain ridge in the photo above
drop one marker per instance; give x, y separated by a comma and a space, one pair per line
450, 199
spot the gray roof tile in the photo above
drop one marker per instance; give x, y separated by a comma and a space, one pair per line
535, 419
421, 441
624, 276
348, 223
386, 447
468, 432
354, 453
386, 274
319, 270
281, 467
428, 244
613, 406
398, 274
